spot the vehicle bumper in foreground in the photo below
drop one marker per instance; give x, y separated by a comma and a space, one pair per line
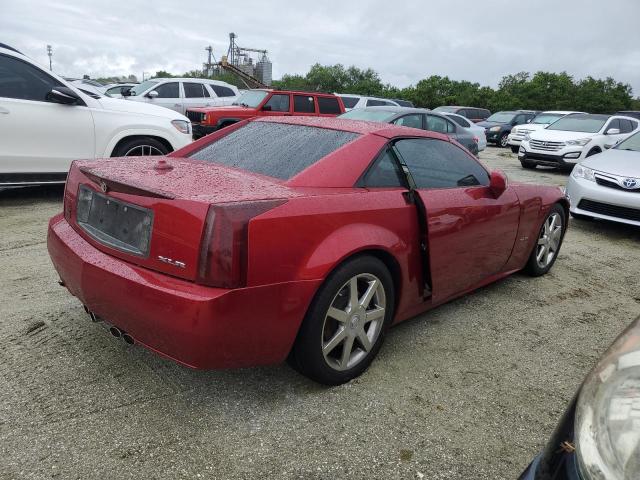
198, 326
589, 198
200, 130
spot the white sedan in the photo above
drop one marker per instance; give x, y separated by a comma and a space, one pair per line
607, 185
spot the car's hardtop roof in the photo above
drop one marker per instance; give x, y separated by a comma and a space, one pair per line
322, 94
7, 47
461, 106
361, 127
394, 109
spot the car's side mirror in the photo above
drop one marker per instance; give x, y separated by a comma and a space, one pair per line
152, 94
63, 95
497, 183
612, 131
266, 108
529, 120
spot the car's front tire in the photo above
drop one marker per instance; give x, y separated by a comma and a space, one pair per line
503, 141
139, 147
345, 325
548, 242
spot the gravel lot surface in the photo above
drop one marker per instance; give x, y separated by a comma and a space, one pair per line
471, 390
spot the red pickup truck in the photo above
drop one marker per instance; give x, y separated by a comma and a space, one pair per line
262, 103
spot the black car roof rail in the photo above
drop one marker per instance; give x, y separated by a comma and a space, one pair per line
4, 45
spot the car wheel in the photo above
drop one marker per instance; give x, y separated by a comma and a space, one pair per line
547, 246
593, 151
140, 147
527, 164
504, 141
515, 148
346, 322
579, 216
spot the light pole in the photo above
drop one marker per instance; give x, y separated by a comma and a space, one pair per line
50, 53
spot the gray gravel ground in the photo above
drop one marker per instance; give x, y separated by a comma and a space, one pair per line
470, 390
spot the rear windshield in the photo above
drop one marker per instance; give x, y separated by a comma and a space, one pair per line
349, 102
582, 123
369, 115
277, 150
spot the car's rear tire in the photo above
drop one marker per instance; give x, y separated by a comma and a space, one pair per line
345, 325
503, 141
527, 164
515, 148
548, 242
140, 146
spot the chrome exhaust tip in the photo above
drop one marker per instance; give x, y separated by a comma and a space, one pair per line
116, 332
128, 338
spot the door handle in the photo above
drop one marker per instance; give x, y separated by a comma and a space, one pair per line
3, 110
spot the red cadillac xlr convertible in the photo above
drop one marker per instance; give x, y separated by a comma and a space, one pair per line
296, 238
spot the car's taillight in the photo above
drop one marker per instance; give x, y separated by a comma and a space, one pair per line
476, 139
223, 252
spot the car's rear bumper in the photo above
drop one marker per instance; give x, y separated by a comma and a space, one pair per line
198, 326
589, 198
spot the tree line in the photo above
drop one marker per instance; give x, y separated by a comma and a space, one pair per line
540, 91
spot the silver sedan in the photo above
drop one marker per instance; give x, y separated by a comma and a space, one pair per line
607, 185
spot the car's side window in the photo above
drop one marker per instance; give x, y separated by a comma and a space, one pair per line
193, 90
372, 102
385, 172
519, 120
440, 164
303, 104
277, 103
168, 90
437, 124
625, 126
328, 105
461, 121
634, 125
615, 123
413, 121
222, 91
22, 81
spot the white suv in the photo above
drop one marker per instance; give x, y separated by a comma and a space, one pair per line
540, 121
180, 94
351, 101
574, 138
46, 123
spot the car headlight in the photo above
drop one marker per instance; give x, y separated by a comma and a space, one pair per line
182, 126
583, 172
494, 129
581, 142
607, 422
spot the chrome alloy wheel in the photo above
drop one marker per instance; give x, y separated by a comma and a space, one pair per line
549, 240
353, 322
143, 151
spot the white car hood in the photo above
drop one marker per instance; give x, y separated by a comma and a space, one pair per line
142, 108
559, 135
617, 162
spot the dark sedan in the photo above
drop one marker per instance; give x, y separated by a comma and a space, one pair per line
416, 118
498, 126
598, 438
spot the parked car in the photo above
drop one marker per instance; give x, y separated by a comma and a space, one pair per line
403, 103
472, 113
540, 121
498, 126
331, 229
180, 94
574, 138
629, 113
118, 90
351, 101
598, 435
264, 103
45, 123
416, 118
607, 185
474, 129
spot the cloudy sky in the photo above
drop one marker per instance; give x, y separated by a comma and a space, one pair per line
404, 41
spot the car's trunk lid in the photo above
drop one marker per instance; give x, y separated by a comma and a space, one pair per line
152, 211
